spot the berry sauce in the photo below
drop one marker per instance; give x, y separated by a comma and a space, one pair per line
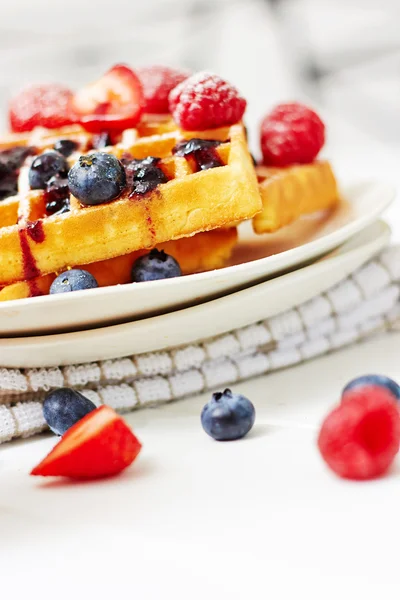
29, 264
143, 175
57, 196
35, 231
31, 271
11, 160
202, 152
58, 206
150, 224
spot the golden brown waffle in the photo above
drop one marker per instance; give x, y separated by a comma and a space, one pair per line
202, 252
289, 193
33, 244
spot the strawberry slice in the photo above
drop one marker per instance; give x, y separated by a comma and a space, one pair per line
113, 103
99, 445
46, 105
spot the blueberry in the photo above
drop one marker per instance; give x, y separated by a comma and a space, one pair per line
64, 407
73, 281
228, 416
44, 167
377, 380
146, 179
66, 147
155, 265
97, 178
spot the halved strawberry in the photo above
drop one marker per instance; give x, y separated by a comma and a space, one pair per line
47, 105
99, 445
113, 103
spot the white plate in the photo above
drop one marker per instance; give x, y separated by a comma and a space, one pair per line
199, 322
255, 259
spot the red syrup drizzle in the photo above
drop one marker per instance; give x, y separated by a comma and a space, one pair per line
35, 231
31, 272
150, 223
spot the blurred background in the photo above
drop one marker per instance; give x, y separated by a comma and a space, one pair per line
341, 55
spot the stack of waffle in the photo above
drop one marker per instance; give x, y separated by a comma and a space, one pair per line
193, 216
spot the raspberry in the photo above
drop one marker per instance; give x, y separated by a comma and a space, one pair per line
41, 105
157, 82
360, 438
205, 101
290, 134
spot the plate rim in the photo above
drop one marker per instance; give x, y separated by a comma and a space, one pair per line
309, 250
134, 329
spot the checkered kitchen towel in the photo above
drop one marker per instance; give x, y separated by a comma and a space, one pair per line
364, 303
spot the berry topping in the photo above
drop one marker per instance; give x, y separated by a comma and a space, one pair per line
290, 134
41, 106
360, 438
133, 165
374, 380
102, 140
146, 179
10, 162
205, 101
155, 265
8, 186
12, 159
228, 416
97, 178
190, 146
57, 196
73, 280
202, 152
58, 206
44, 167
66, 147
113, 103
64, 407
99, 445
157, 82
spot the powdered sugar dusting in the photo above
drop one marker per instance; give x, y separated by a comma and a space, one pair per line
204, 101
41, 105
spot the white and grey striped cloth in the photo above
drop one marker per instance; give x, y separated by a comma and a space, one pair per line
363, 304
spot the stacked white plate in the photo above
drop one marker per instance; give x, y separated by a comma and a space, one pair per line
267, 274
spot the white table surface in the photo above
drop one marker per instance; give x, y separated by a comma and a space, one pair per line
260, 518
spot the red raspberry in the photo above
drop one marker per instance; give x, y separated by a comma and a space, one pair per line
41, 105
360, 438
290, 134
157, 82
205, 101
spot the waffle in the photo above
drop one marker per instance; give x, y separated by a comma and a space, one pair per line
289, 193
202, 252
191, 202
